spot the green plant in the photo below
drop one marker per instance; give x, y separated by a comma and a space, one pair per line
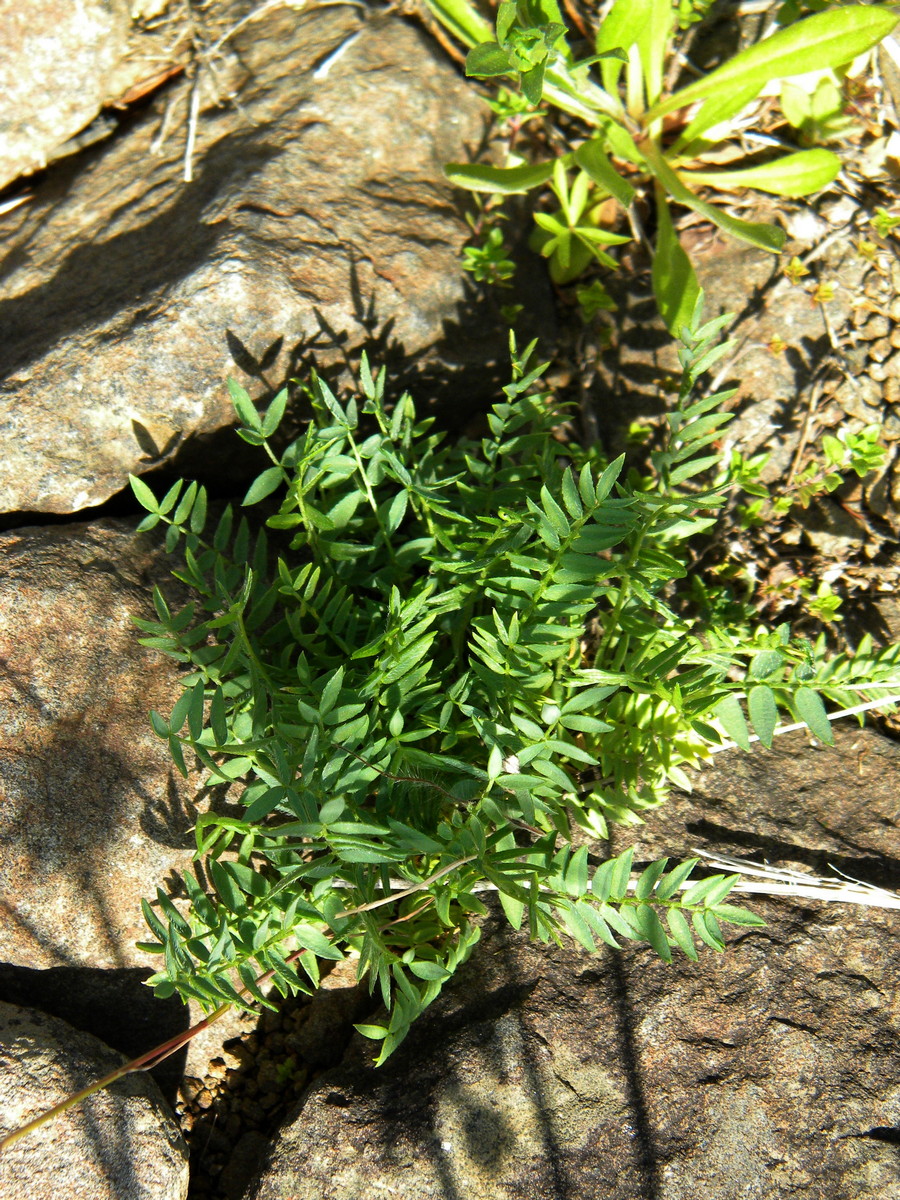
884, 223
817, 112
460, 651
860, 452
574, 235
487, 260
636, 149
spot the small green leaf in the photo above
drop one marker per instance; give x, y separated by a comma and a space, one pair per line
264, 485
376, 1033
592, 159
708, 930
244, 406
681, 932
810, 709
488, 60
621, 874
143, 494
423, 969
651, 930
737, 916
648, 878
675, 283
763, 713
274, 414
514, 909
764, 664
731, 717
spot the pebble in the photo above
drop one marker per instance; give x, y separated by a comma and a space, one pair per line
839, 212
217, 1069
880, 350
895, 337
876, 327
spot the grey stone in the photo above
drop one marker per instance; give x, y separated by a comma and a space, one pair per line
120, 1144
94, 816
543, 1074
317, 203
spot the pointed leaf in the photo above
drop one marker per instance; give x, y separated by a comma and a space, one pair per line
798, 174
763, 713
675, 283
507, 181
731, 717
810, 709
827, 39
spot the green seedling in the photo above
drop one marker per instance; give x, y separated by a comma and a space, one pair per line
573, 236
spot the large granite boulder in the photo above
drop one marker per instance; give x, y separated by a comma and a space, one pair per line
541, 1073
120, 1144
317, 212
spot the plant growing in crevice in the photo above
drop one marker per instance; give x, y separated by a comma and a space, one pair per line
451, 654
460, 650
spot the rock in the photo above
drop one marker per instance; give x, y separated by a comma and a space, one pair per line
115, 1006
57, 57
93, 815
545, 1072
120, 1144
317, 213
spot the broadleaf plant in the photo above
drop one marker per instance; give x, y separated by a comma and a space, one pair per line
443, 657
647, 140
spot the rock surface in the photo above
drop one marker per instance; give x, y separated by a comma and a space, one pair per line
120, 1144
317, 204
93, 814
548, 1073
57, 57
